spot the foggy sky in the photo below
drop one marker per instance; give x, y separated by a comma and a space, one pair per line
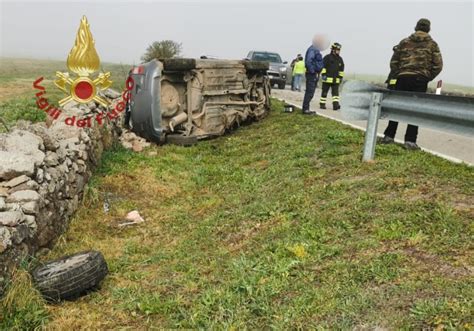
229, 29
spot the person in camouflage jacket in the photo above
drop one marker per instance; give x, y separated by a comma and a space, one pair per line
418, 55
415, 62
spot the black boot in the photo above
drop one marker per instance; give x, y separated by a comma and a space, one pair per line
336, 106
309, 112
387, 140
322, 106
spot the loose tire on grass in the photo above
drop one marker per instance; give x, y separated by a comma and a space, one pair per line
70, 276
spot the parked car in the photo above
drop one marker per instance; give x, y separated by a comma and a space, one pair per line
183, 100
278, 69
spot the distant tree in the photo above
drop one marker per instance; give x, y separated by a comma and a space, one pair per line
163, 49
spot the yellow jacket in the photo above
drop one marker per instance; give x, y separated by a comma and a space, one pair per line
299, 68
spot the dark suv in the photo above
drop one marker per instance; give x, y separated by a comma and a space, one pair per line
278, 69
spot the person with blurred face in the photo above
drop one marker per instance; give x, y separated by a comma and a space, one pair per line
314, 64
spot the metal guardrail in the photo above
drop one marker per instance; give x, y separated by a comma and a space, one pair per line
363, 101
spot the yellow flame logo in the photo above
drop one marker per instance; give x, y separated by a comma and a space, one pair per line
83, 58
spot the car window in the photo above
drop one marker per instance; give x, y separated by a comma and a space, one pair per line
263, 56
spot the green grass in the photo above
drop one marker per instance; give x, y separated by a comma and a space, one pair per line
22, 308
278, 225
21, 108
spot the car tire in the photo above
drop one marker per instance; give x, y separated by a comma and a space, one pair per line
178, 64
178, 139
70, 276
281, 86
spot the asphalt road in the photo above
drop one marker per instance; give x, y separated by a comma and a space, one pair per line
450, 146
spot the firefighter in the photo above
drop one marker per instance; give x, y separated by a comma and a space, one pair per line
415, 62
332, 74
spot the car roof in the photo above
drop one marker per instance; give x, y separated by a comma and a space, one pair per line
264, 52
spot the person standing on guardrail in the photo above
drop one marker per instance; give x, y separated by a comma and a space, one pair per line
416, 61
331, 76
314, 64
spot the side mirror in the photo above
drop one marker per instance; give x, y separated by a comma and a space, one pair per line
285, 62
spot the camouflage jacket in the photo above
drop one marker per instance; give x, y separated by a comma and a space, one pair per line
418, 55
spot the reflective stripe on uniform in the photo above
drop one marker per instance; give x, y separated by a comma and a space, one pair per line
341, 73
323, 71
338, 80
392, 82
322, 100
336, 98
328, 80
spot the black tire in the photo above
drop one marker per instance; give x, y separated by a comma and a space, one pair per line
256, 65
70, 276
281, 86
179, 64
178, 139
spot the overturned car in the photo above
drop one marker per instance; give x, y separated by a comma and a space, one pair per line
183, 100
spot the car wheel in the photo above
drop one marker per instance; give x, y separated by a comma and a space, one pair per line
70, 276
178, 139
281, 86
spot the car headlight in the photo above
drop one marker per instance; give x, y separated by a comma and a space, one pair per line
283, 69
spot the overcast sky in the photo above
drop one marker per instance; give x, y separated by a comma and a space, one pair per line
229, 29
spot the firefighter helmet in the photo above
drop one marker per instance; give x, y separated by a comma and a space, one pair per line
336, 46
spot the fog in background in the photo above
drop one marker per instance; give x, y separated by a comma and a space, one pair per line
229, 29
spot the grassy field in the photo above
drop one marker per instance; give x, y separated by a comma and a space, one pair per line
278, 225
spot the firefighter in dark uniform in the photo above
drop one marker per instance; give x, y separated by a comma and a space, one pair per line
332, 74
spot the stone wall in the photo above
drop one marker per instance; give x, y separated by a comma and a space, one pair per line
43, 172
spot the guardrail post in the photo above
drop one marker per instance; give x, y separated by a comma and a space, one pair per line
372, 124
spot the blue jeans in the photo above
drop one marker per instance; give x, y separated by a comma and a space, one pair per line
311, 82
297, 82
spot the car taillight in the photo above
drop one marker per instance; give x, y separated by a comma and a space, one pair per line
138, 70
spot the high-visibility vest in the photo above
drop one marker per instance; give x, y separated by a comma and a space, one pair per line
299, 68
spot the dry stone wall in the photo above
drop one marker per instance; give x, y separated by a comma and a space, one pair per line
43, 172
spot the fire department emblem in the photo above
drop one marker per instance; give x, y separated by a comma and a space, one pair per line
83, 61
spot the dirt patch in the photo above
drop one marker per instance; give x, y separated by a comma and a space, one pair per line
236, 241
432, 263
12, 90
351, 180
144, 183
